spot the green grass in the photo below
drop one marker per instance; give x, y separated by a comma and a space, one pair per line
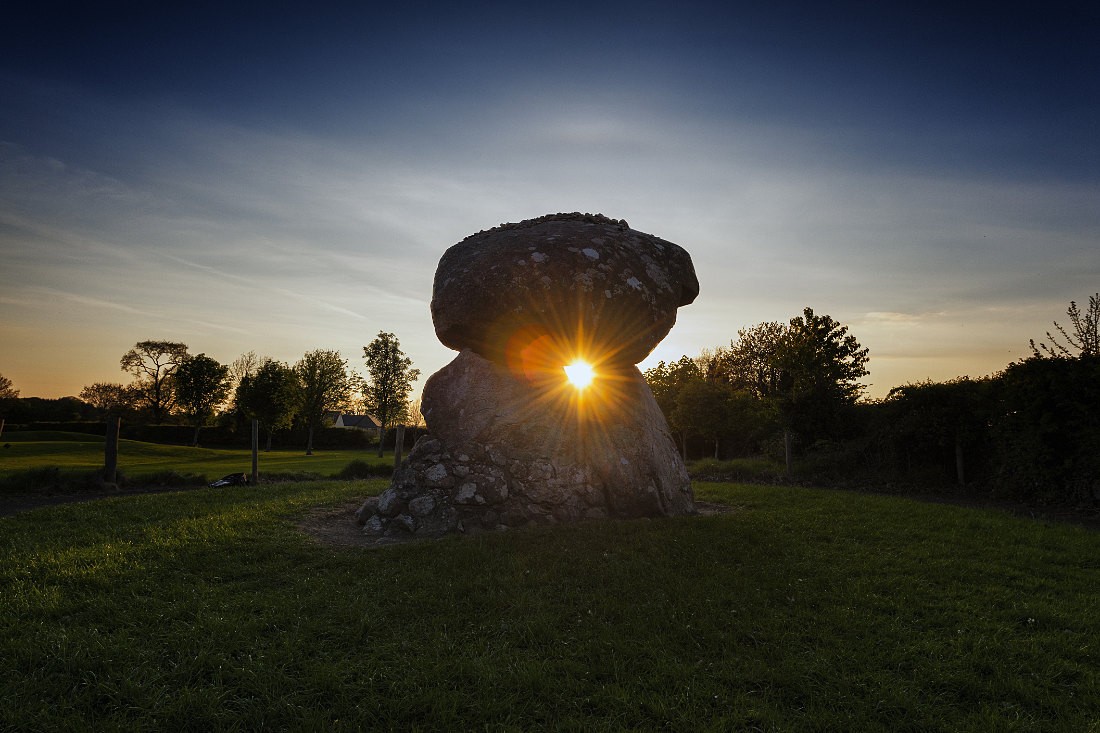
71, 455
801, 610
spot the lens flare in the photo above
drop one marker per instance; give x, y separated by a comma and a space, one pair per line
579, 373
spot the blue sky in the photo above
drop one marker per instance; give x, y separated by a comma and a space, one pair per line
287, 180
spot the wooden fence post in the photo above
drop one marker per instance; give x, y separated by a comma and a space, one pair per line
254, 479
110, 450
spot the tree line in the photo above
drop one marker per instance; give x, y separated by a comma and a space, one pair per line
786, 390
171, 385
791, 391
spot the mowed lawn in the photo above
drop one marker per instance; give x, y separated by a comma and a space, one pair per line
800, 610
76, 452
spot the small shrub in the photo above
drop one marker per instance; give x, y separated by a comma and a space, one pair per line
747, 470
358, 469
274, 477
165, 478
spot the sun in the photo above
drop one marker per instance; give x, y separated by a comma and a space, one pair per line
580, 373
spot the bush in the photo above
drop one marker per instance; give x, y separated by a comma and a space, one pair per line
286, 476
361, 470
744, 470
164, 479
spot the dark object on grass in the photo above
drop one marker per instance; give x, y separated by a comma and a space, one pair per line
233, 479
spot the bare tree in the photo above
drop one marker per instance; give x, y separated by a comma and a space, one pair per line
153, 363
1085, 339
243, 366
414, 415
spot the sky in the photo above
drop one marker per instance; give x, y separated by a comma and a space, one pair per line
286, 179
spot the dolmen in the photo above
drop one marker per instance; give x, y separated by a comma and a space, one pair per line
510, 441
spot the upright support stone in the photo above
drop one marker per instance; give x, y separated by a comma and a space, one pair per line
110, 450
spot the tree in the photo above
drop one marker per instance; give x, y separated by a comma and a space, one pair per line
666, 381
8, 393
7, 389
272, 395
201, 384
943, 419
108, 398
414, 414
752, 362
820, 365
702, 407
1085, 339
152, 363
243, 366
325, 387
386, 392
805, 372
1048, 429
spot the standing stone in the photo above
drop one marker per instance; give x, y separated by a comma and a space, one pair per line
510, 442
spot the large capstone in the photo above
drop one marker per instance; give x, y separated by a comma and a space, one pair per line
510, 441
570, 276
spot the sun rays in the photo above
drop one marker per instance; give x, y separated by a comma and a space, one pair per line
579, 373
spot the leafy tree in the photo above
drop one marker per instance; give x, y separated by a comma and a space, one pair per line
753, 362
386, 392
7, 389
201, 384
1085, 339
942, 418
1047, 430
152, 363
8, 396
272, 395
325, 387
666, 381
108, 398
805, 372
703, 408
820, 365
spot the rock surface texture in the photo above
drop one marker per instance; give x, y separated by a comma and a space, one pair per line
510, 442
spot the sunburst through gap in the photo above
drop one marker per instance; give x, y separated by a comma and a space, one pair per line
580, 373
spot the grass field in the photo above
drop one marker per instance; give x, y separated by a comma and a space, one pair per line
76, 454
800, 610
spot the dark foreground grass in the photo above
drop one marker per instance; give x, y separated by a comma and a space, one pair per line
802, 610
